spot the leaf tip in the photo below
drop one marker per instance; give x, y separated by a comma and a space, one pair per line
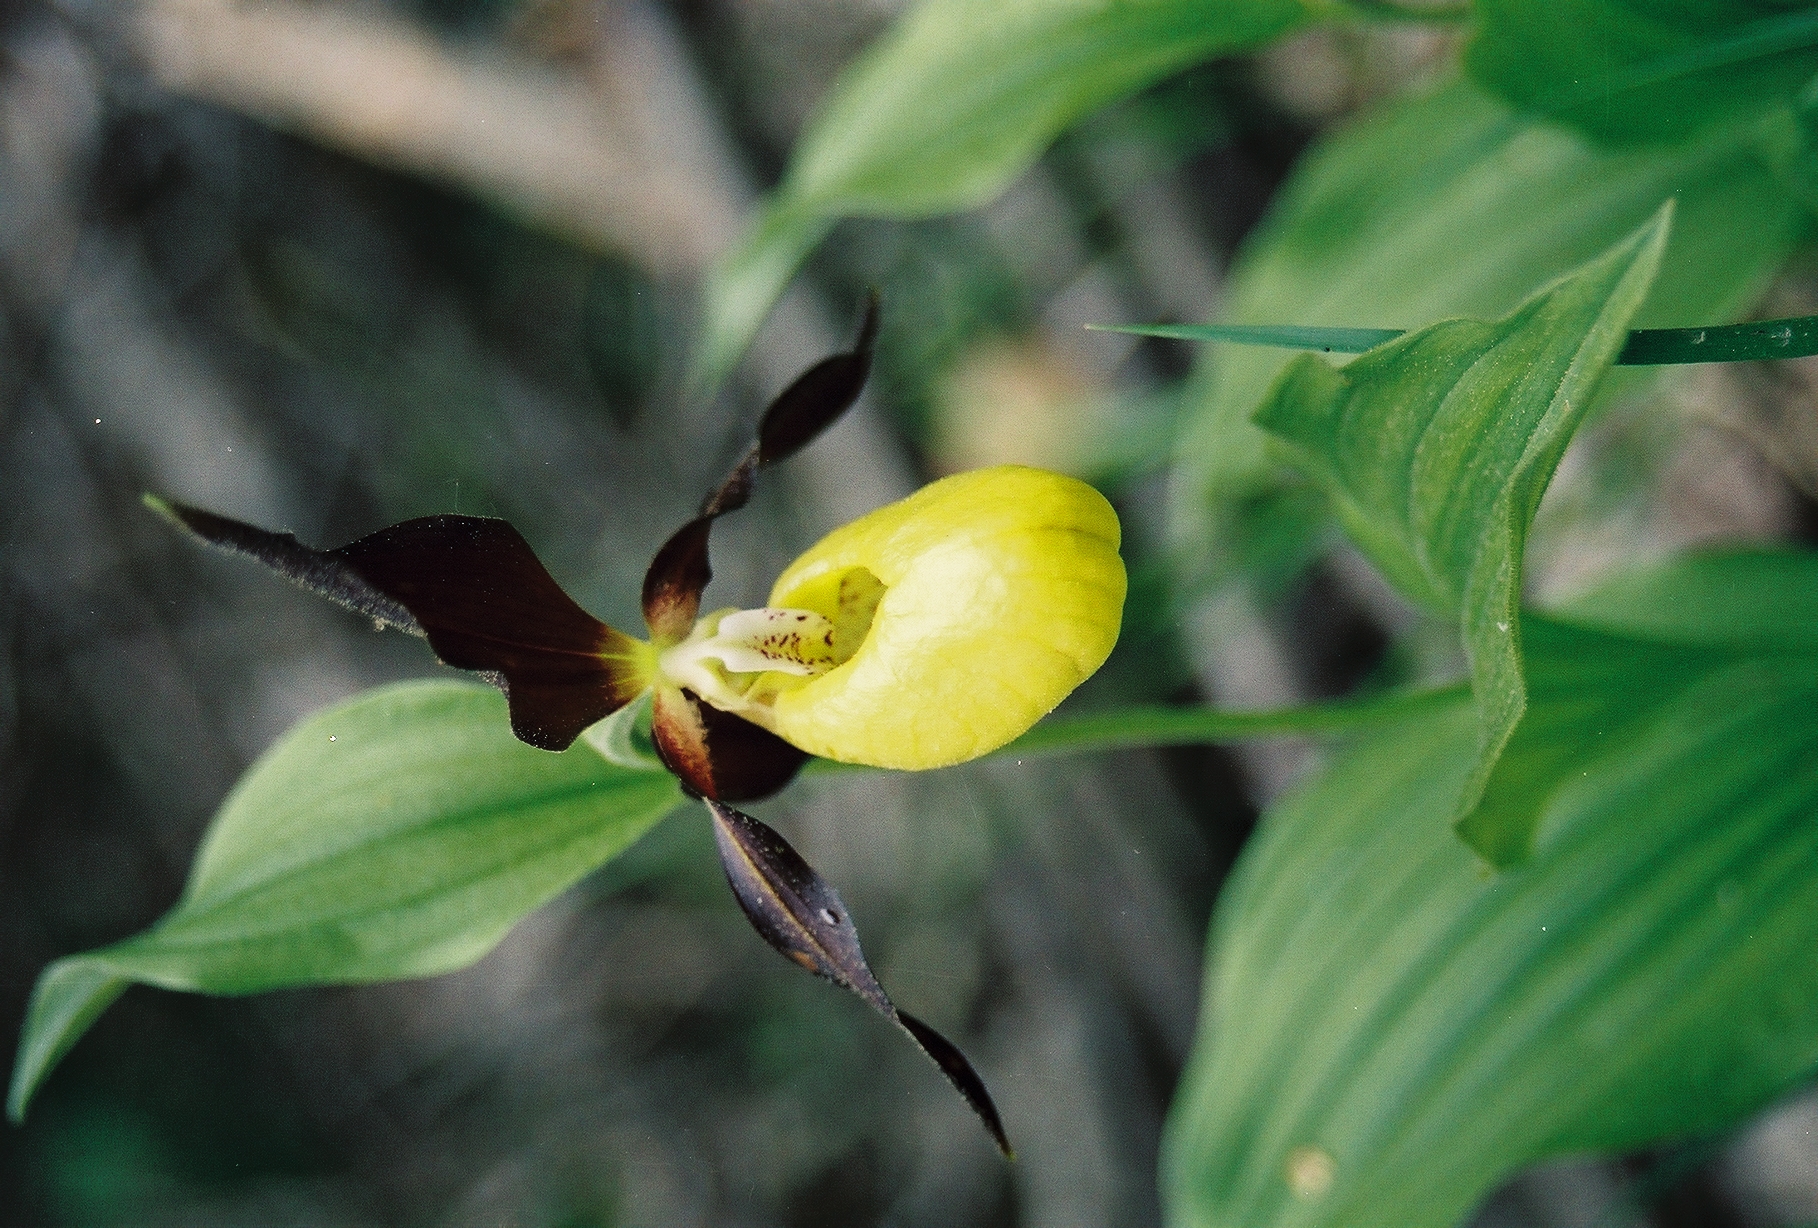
69, 996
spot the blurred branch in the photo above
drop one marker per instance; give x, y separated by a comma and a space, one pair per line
539, 140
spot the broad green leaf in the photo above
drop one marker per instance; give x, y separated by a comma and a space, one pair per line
1589, 697
949, 106
1388, 1032
399, 834
1447, 205
1763, 601
1728, 596
1436, 447
1646, 69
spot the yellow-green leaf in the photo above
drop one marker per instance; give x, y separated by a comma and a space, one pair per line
1448, 205
1646, 69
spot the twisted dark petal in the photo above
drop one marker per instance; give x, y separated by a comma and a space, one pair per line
718, 755
799, 913
320, 571
474, 588
819, 395
679, 573
675, 580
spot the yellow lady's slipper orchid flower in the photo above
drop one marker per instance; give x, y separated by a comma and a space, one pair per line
930, 632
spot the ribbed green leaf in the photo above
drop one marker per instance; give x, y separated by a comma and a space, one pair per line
399, 834
1448, 206
1751, 597
1436, 447
948, 107
1389, 1032
1646, 69
1765, 602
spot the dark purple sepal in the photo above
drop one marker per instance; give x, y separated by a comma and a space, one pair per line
717, 755
799, 913
322, 572
680, 571
475, 589
486, 603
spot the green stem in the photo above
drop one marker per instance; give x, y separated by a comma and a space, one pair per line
1399, 10
1794, 337
1160, 725
1148, 725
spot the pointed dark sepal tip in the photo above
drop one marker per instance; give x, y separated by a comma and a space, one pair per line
802, 917
472, 586
944, 1054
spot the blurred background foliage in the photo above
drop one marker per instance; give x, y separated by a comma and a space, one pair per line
327, 267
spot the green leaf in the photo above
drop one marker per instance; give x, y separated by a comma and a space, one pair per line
949, 106
399, 834
1446, 205
1388, 1032
1593, 702
1646, 69
623, 739
1436, 447
1738, 597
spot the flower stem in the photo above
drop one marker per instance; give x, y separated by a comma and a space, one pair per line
1161, 725
1141, 725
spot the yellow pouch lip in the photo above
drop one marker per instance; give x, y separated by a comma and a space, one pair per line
1004, 591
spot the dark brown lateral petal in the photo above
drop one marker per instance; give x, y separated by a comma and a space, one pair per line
475, 589
319, 571
487, 604
716, 754
799, 913
675, 580
819, 395
679, 573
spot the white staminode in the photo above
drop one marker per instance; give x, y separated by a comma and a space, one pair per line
748, 642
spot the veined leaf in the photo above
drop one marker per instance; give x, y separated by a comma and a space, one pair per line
399, 834
1436, 447
1742, 597
1646, 69
1447, 205
1389, 1033
950, 106
1637, 644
